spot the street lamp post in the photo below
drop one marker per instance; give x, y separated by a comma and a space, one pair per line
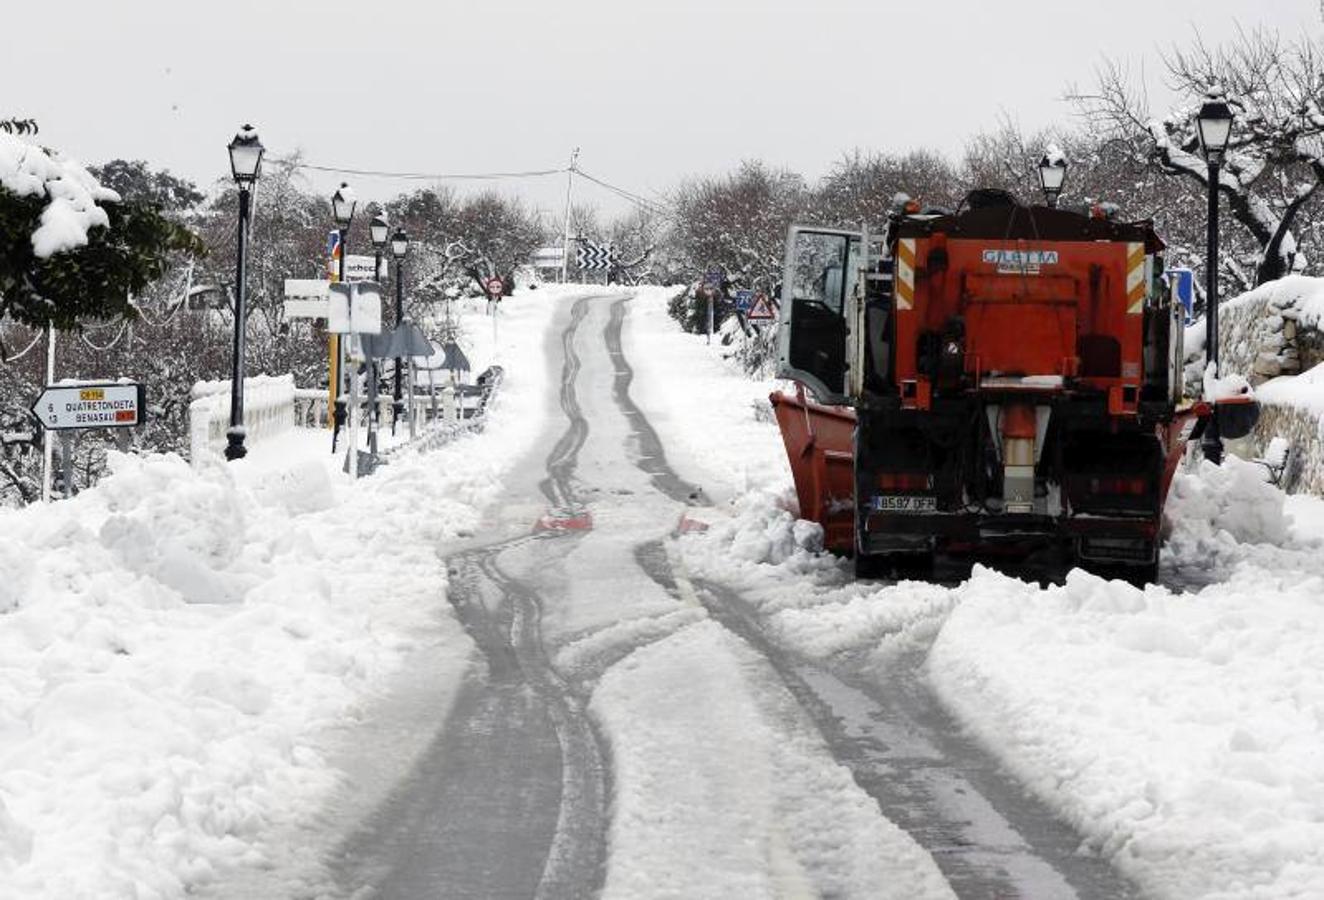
1052, 175
342, 210
379, 229
399, 248
1214, 128
245, 165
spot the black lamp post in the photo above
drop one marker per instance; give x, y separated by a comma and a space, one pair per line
1214, 128
246, 165
1052, 175
399, 247
342, 210
378, 229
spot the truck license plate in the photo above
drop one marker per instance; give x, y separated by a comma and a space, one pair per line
904, 503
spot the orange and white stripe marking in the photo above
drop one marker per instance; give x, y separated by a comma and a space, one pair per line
905, 273
1135, 278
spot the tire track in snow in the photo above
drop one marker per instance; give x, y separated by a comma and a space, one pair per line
510, 800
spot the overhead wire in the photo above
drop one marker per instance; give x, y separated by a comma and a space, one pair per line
432, 176
644, 203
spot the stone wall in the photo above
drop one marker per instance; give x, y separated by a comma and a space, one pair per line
1273, 330
1301, 427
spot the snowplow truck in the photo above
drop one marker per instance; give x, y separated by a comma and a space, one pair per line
1003, 380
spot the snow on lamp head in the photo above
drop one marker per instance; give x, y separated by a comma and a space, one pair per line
1214, 126
343, 202
399, 244
1052, 174
379, 229
246, 157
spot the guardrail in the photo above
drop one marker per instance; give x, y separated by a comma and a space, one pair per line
454, 416
268, 411
273, 405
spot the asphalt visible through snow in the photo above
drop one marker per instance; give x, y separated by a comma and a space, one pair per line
512, 799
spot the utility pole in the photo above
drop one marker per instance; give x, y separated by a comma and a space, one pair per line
565, 239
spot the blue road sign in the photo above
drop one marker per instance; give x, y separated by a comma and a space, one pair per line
744, 300
713, 278
1183, 288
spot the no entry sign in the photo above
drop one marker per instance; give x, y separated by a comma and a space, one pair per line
495, 287
108, 404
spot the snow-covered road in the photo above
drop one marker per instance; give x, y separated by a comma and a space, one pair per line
635, 733
531, 677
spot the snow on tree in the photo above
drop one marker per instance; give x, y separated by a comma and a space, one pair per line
1275, 160
70, 249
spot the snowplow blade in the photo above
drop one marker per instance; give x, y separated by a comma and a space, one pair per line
820, 443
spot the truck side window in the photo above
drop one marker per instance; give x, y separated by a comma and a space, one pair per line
824, 267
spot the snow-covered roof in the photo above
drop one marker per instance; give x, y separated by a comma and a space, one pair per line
28, 170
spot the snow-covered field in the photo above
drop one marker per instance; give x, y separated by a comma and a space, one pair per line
180, 648
1179, 729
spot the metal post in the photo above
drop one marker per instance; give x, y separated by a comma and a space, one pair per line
353, 399
67, 462
1212, 443
396, 406
710, 315
413, 413
565, 240
47, 441
234, 436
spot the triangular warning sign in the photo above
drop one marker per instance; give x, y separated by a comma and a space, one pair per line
761, 311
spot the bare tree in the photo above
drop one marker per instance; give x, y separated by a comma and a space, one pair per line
1273, 167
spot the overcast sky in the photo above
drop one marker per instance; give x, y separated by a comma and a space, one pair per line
650, 92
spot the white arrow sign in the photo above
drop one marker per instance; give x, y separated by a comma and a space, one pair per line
108, 404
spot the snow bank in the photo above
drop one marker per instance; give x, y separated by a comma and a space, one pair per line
1179, 733
170, 643
177, 643
73, 194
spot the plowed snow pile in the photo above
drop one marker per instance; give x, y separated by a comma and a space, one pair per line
1181, 733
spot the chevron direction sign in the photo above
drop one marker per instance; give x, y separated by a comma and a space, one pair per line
595, 256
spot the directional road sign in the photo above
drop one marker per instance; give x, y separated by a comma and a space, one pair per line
761, 310
100, 404
595, 256
1183, 288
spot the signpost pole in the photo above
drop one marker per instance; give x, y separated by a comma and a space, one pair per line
710, 315
47, 447
67, 462
412, 415
353, 394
